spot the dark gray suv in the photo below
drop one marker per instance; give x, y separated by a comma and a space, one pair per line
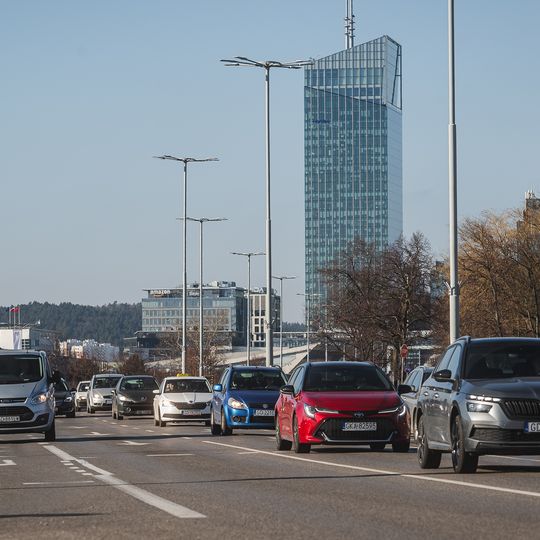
482, 398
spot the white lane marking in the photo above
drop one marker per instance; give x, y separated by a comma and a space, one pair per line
7, 463
387, 473
142, 495
116, 423
512, 457
98, 433
150, 430
167, 455
124, 425
188, 438
78, 427
57, 483
250, 452
133, 443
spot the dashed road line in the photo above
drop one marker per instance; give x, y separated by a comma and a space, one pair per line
167, 455
7, 463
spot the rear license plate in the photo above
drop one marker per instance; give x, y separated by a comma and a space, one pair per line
6, 419
191, 413
143, 412
532, 427
359, 426
264, 412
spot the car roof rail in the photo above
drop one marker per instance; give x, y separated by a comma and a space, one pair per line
466, 339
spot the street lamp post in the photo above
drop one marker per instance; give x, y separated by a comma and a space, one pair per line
267, 65
248, 256
201, 221
281, 278
185, 161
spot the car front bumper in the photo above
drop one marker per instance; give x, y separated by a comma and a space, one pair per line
248, 418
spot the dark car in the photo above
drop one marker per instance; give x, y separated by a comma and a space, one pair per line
245, 398
341, 403
482, 398
134, 396
63, 398
416, 378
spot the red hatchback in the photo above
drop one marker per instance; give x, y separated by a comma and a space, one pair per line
341, 403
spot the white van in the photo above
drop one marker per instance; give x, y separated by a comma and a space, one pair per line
26, 393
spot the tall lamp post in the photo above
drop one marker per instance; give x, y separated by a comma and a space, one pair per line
201, 221
185, 161
452, 181
281, 278
267, 65
248, 256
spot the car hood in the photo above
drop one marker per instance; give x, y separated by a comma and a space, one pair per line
22, 390
515, 387
256, 396
137, 395
188, 397
352, 401
102, 391
62, 394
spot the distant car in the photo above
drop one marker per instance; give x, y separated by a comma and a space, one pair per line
415, 379
99, 395
64, 403
182, 399
482, 398
245, 398
80, 395
341, 403
134, 396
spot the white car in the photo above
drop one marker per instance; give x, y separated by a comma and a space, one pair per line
99, 395
182, 399
80, 395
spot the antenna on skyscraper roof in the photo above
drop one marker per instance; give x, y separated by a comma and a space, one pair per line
349, 26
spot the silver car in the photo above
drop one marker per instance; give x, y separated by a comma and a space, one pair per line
99, 395
482, 398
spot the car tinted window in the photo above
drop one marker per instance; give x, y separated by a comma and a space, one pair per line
61, 386
186, 385
106, 382
425, 375
138, 383
443, 362
414, 380
331, 378
454, 363
299, 380
293, 376
494, 360
18, 368
260, 379
83, 387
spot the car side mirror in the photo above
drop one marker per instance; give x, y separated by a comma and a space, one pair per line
444, 375
156, 391
218, 388
113, 391
404, 389
287, 389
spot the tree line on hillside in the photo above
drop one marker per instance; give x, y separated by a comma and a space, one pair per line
106, 324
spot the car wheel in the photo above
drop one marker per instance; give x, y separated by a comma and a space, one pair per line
377, 446
113, 414
90, 410
225, 428
50, 434
462, 461
156, 421
207, 423
71, 414
161, 422
118, 415
281, 444
297, 446
427, 458
401, 446
215, 429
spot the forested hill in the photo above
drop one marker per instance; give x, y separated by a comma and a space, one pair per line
105, 324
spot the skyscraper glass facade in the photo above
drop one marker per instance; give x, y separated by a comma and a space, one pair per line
353, 152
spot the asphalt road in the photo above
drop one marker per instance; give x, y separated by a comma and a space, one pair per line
128, 479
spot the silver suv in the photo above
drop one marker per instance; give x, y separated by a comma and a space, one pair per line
482, 398
27, 393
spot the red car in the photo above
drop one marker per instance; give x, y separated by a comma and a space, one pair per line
341, 403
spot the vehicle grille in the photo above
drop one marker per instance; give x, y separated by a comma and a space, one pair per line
503, 435
261, 405
331, 427
24, 412
261, 419
522, 408
190, 405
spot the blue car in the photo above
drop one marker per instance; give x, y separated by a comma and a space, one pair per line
245, 398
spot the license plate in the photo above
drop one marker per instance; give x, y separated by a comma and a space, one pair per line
359, 426
143, 412
532, 427
264, 412
7, 419
191, 413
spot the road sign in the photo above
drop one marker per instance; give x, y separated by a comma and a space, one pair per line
404, 351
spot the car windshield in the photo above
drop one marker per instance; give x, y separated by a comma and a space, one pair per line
18, 368
261, 379
345, 378
139, 383
186, 385
106, 382
61, 386
83, 387
502, 360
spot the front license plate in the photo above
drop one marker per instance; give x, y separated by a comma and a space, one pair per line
7, 419
359, 426
264, 412
191, 413
143, 412
532, 427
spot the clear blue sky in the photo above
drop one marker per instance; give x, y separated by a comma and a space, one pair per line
91, 90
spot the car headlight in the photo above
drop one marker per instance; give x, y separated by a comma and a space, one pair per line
483, 398
478, 407
236, 404
166, 403
68, 399
310, 410
122, 398
39, 398
98, 397
400, 409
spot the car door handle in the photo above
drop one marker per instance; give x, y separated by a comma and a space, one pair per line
436, 395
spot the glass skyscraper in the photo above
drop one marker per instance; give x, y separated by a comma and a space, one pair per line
353, 152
